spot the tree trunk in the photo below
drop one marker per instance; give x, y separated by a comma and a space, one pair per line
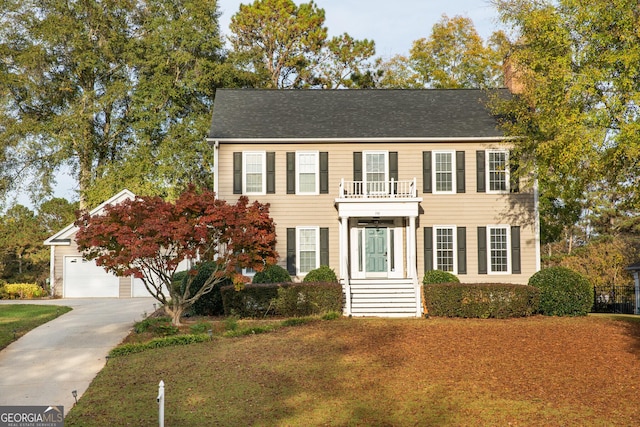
174, 310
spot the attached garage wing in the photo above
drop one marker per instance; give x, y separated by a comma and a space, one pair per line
84, 279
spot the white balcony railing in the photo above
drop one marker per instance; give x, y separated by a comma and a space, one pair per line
378, 189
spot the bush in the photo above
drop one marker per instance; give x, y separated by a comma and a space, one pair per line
253, 300
481, 300
209, 304
439, 276
156, 325
563, 292
272, 274
21, 290
308, 298
285, 299
175, 340
324, 273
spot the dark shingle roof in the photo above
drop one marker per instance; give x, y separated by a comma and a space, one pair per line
373, 113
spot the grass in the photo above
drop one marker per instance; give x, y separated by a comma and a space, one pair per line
16, 320
381, 372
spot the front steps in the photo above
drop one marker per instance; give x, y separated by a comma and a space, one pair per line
384, 298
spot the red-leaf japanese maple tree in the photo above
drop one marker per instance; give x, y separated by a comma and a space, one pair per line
148, 237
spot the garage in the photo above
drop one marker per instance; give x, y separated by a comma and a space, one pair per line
84, 279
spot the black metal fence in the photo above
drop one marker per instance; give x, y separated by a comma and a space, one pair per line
613, 299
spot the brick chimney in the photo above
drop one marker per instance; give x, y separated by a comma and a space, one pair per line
513, 78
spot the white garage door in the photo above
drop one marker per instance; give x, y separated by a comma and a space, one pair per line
84, 279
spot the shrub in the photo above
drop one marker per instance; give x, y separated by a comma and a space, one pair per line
209, 304
22, 290
305, 299
253, 300
563, 292
272, 274
131, 348
481, 300
156, 325
324, 273
439, 276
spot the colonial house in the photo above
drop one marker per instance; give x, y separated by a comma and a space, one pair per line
381, 185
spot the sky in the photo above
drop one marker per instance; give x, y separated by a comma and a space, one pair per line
392, 24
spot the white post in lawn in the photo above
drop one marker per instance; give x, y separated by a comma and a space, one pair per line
160, 400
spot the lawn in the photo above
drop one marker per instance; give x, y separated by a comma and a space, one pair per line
384, 372
18, 319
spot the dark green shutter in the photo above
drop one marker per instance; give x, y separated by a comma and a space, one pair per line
357, 166
462, 250
393, 165
291, 173
291, 251
324, 246
515, 250
482, 250
428, 249
237, 173
324, 172
460, 175
514, 174
271, 173
480, 172
426, 171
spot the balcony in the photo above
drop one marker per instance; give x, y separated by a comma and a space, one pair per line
377, 190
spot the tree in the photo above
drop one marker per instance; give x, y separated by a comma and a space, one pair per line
577, 115
148, 237
286, 46
454, 56
93, 86
21, 239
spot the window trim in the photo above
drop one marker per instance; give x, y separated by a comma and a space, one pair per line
454, 246
316, 191
452, 172
507, 229
263, 155
507, 175
316, 229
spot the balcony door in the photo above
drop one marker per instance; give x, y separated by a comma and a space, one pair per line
376, 172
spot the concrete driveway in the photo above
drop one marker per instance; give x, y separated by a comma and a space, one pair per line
44, 366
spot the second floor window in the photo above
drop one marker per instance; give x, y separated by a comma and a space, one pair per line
497, 171
254, 171
307, 168
443, 171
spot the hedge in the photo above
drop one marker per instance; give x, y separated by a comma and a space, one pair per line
285, 299
481, 300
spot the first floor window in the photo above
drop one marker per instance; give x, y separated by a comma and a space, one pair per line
445, 248
498, 249
254, 170
308, 249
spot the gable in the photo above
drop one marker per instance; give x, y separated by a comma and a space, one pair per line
372, 113
63, 236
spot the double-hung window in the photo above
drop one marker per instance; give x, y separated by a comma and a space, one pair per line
444, 172
308, 248
445, 248
307, 170
497, 171
499, 248
254, 169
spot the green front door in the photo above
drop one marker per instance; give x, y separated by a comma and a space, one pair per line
376, 250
